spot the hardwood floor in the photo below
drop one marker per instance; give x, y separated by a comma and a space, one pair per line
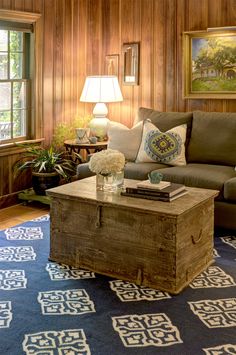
11, 216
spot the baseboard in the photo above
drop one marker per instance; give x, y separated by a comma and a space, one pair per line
9, 200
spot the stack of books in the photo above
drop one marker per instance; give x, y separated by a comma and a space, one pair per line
164, 191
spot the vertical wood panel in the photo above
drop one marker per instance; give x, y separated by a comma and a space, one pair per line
170, 55
74, 58
127, 36
38, 5
18, 4
58, 63
6, 186
147, 54
111, 44
159, 53
80, 61
229, 12
215, 15
94, 37
7, 4
228, 19
28, 6
137, 92
180, 24
197, 20
48, 73
68, 54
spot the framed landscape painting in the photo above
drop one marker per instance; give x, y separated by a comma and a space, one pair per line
209, 64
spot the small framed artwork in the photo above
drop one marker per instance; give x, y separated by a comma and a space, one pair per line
209, 65
112, 64
131, 63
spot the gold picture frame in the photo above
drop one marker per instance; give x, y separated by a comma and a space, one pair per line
131, 63
209, 64
112, 64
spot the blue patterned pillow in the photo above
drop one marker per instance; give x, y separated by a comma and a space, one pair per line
162, 147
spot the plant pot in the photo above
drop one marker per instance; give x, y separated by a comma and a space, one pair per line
43, 181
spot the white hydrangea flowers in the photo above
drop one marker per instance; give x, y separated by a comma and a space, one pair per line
107, 162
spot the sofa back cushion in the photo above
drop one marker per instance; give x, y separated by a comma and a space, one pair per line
213, 138
166, 120
126, 140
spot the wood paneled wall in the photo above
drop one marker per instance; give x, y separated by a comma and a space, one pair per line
79, 33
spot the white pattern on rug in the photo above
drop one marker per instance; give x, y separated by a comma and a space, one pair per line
230, 240
18, 254
5, 314
44, 218
215, 253
225, 349
58, 272
12, 279
24, 233
214, 276
219, 313
70, 302
129, 292
69, 341
146, 330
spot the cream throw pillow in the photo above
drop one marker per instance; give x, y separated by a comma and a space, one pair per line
126, 140
162, 147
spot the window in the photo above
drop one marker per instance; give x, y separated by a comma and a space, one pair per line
14, 84
20, 77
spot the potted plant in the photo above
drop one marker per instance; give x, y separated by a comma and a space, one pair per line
48, 166
65, 130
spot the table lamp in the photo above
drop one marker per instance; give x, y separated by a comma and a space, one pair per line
100, 89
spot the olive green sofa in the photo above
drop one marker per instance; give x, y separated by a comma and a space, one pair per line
210, 151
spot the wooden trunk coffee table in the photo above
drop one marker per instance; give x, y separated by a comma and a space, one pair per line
163, 245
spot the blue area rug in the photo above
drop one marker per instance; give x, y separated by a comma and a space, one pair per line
47, 308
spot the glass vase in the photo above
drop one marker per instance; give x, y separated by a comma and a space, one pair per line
110, 182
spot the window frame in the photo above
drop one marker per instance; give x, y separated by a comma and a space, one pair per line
34, 130
25, 79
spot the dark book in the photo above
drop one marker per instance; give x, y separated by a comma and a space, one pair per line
156, 197
168, 191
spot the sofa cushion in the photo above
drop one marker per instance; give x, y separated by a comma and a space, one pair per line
126, 140
140, 171
83, 171
213, 138
137, 171
162, 147
225, 213
166, 120
200, 175
230, 189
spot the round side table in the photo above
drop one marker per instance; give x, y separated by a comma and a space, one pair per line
72, 146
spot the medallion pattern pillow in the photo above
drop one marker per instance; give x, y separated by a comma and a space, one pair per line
162, 147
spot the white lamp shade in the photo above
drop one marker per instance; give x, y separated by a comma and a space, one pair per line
101, 89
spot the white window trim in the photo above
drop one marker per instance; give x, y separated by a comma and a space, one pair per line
37, 88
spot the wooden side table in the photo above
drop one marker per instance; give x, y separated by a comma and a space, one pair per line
72, 146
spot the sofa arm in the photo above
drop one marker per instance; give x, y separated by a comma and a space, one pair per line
230, 189
83, 171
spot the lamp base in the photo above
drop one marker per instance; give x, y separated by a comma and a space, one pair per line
98, 128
